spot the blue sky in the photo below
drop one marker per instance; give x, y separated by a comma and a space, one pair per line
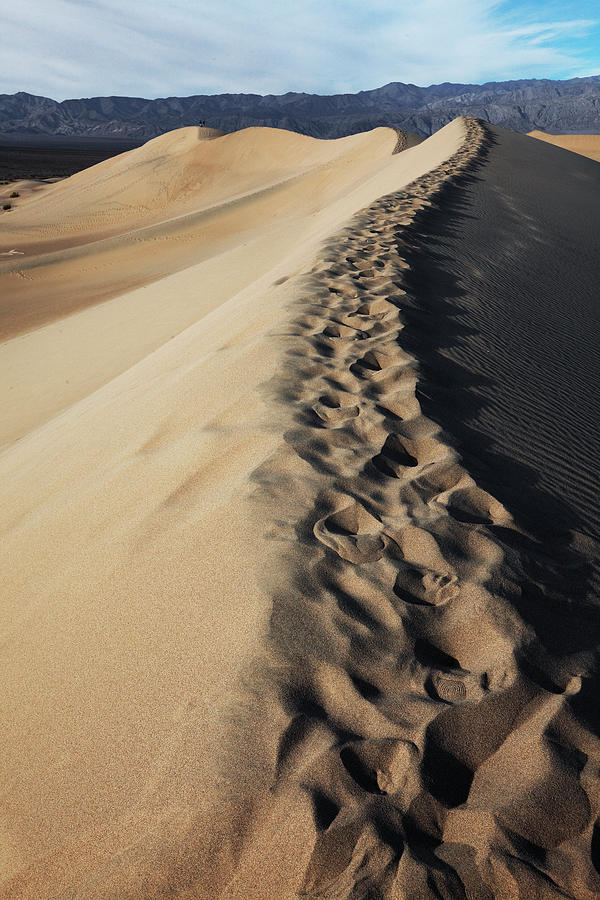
83, 48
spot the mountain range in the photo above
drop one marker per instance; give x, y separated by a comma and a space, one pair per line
571, 106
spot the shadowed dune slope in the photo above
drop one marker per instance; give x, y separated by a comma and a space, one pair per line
507, 277
584, 144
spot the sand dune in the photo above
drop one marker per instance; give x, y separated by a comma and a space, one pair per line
58, 357
584, 144
177, 173
136, 664
289, 609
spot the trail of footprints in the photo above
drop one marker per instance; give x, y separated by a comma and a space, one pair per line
402, 723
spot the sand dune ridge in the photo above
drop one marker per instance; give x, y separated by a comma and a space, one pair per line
414, 691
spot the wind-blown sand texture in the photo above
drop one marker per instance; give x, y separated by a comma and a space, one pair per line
299, 537
584, 144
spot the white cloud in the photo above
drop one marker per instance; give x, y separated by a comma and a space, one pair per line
73, 48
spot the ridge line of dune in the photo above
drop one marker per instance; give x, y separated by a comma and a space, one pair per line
398, 637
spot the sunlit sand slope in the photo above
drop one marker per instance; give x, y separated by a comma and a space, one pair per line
267, 190
584, 144
133, 556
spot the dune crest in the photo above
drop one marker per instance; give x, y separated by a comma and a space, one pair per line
430, 732
403, 665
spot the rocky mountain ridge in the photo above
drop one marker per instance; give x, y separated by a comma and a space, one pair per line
571, 106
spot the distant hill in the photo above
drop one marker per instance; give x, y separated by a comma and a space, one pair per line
552, 106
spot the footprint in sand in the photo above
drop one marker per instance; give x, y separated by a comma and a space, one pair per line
449, 690
374, 361
394, 459
400, 405
359, 260
474, 506
382, 766
339, 330
426, 588
450, 682
353, 533
453, 689
331, 414
348, 292
376, 309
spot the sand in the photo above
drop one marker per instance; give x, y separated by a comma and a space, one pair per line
276, 623
584, 144
252, 193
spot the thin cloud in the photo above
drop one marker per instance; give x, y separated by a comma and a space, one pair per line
135, 47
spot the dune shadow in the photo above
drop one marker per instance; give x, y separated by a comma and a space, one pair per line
457, 338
